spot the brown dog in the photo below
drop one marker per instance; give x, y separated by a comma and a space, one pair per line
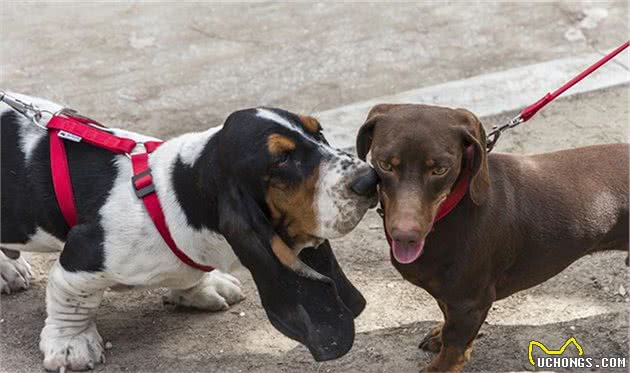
523, 220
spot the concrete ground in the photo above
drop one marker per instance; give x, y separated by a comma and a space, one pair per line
165, 69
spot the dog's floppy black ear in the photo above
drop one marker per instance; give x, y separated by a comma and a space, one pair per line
476, 135
323, 260
366, 132
306, 307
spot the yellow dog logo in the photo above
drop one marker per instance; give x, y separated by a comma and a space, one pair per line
553, 352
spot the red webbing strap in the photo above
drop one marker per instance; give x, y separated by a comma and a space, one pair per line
99, 137
61, 178
143, 185
150, 146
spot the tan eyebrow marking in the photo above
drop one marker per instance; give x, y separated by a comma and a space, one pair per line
278, 144
310, 124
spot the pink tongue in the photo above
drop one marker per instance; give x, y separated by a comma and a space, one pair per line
406, 254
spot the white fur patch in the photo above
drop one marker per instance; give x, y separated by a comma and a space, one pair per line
277, 118
192, 144
327, 199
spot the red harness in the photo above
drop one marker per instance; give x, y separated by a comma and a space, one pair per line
68, 126
457, 193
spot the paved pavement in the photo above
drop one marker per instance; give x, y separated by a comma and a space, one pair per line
170, 68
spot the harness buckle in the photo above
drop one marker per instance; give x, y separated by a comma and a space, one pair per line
143, 183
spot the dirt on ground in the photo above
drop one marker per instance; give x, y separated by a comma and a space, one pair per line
587, 301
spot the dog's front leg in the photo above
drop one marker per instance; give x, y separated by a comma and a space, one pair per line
216, 291
462, 323
432, 341
69, 338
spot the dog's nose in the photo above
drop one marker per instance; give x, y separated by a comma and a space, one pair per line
407, 238
365, 184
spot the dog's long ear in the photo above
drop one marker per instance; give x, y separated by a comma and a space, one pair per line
323, 260
366, 132
303, 305
475, 135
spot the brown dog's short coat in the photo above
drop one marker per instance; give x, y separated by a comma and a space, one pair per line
524, 220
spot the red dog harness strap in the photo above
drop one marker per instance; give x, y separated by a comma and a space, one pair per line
79, 129
85, 130
142, 181
61, 178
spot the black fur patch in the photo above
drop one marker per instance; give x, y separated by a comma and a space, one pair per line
18, 222
84, 249
29, 201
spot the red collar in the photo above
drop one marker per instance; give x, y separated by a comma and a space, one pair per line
69, 126
461, 187
457, 193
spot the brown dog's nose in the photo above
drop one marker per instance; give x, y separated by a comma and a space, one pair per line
365, 184
406, 238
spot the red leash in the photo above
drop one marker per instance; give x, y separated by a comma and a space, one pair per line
527, 113
66, 125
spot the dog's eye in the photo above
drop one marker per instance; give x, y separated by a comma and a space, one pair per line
439, 171
282, 159
385, 166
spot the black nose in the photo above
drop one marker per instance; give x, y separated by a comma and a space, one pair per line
365, 184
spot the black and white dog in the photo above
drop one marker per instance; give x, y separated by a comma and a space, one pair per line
265, 189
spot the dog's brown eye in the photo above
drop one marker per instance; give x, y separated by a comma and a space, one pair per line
385, 166
440, 171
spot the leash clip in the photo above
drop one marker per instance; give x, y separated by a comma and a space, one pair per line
495, 134
30, 111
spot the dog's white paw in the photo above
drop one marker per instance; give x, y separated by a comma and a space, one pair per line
217, 291
76, 352
15, 274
